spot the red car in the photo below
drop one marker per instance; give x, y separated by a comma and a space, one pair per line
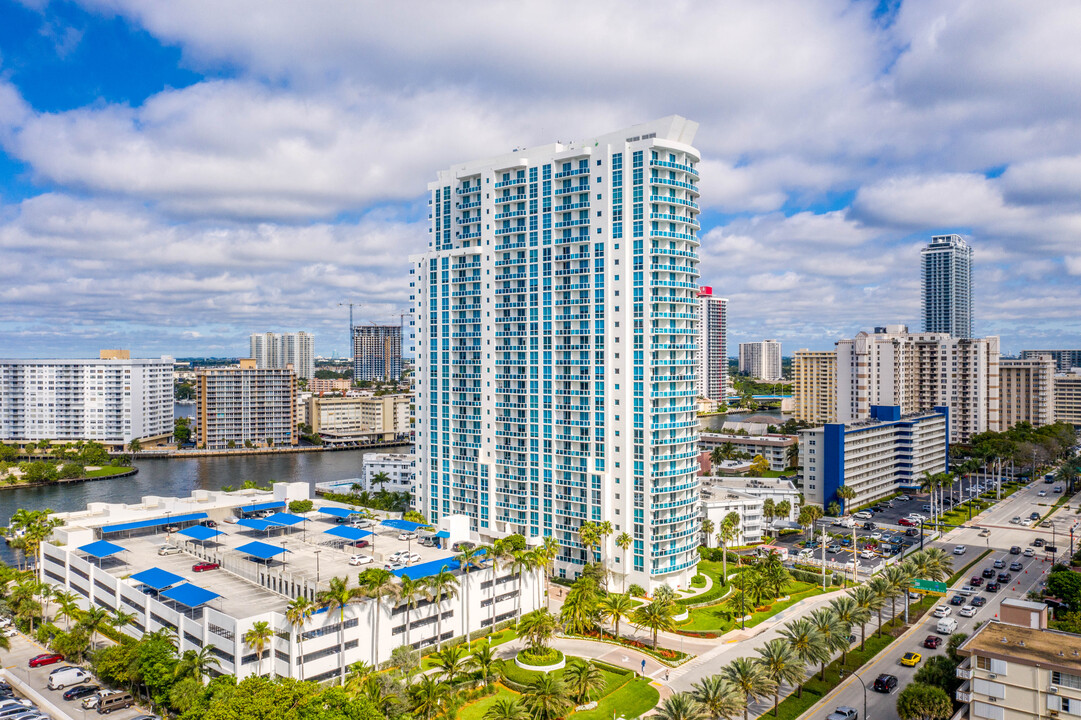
203, 567
46, 659
932, 642
975, 581
905, 522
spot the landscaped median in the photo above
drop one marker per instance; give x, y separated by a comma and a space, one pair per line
964, 571
715, 620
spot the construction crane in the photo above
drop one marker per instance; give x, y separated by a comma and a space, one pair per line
352, 350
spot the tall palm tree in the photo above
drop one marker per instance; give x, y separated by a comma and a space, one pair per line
833, 632
378, 584
804, 639
467, 559
93, 619
451, 661
337, 595
582, 679
549, 551
845, 493
730, 530
681, 706
749, 680
483, 660
616, 607
506, 708
848, 612
604, 529
717, 697
537, 628
707, 529
68, 607
441, 586
428, 696
296, 614
881, 589
546, 698
590, 538
781, 664
409, 592
867, 601
624, 541
522, 562
196, 664
656, 616
897, 579
257, 638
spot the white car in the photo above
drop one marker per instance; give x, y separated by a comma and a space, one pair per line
916, 517
867, 555
1029, 552
9, 631
1026, 522
876, 535
407, 536
942, 611
863, 515
1042, 493
360, 560
959, 549
967, 611
806, 553
903, 498
231, 520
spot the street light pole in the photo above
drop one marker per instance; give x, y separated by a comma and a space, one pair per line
864, 685
317, 568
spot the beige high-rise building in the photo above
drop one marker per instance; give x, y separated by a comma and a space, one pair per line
359, 419
1068, 399
1027, 390
814, 386
919, 372
761, 360
245, 404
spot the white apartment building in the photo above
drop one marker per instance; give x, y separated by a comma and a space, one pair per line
360, 419
1065, 360
774, 448
1068, 398
946, 275
1028, 390
244, 404
814, 386
277, 351
112, 400
761, 360
875, 457
556, 346
712, 382
747, 497
399, 469
919, 372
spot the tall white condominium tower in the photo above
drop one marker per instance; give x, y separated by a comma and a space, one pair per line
377, 352
555, 347
712, 380
947, 286
761, 360
274, 351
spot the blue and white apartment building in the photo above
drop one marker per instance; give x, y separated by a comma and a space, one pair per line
875, 457
555, 318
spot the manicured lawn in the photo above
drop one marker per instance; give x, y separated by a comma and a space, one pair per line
106, 471
476, 710
717, 618
712, 568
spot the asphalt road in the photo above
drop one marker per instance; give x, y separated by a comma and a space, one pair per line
1002, 537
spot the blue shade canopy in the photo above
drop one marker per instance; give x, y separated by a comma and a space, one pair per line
284, 518
156, 522
348, 533
101, 549
404, 525
339, 512
259, 507
443, 534
256, 524
425, 569
199, 532
157, 578
191, 595
261, 550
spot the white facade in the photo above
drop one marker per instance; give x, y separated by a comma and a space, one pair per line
276, 351
761, 360
747, 497
918, 372
946, 270
712, 381
111, 401
773, 448
555, 346
400, 470
718, 505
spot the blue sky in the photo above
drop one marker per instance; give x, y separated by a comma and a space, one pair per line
175, 176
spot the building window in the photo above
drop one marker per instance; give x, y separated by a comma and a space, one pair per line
1066, 680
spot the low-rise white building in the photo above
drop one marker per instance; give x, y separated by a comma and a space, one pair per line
747, 497
400, 472
773, 448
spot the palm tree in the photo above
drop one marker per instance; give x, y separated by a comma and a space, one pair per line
589, 537
441, 586
337, 595
409, 592
506, 708
428, 696
523, 561
467, 559
196, 664
802, 636
452, 661
624, 541
538, 627
257, 638
881, 589
769, 511
707, 529
834, 634
809, 515
548, 551
867, 601
897, 580
656, 616
546, 698
616, 607
681, 706
715, 457
377, 584
93, 619
792, 455
845, 493
717, 697
583, 678
483, 661
749, 679
604, 529
781, 664
68, 607
848, 613
729, 532
296, 614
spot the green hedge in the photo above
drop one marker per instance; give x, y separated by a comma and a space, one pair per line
549, 656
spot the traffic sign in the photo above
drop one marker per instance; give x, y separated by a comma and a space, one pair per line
929, 587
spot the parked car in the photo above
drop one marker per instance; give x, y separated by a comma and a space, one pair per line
833, 549
911, 659
360, 543
867, 555
959, 549
9, 631
912, 532
863, 515
66, 677
45, 659
204, 566
967, 611
172, 528
906, 522
932, 642
115, 701
1058, 489
903, 498
392, 566
80, 691
1034, 516
885, 683
407, 536
361, 560
168, 550
209, 523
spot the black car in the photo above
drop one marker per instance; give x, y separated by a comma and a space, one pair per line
80, 691
912, 532
1004, 577
957, 600
868, 526
1050, 548
978, 601
1015, 550
988, 573
885, 683
1015, 566
1034, 516
991, 587
1038, 542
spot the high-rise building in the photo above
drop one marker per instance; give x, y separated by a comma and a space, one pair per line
919, 372
111, 400
814, 386
761, 360
1068, 398
242, 405
555, 347
946, 266
275, 351
1028, 390
351, 420
1065, 360
712, 381
377, 352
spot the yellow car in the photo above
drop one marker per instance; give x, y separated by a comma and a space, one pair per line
911, 659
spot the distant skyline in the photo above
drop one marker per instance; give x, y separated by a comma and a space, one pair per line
174, 177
